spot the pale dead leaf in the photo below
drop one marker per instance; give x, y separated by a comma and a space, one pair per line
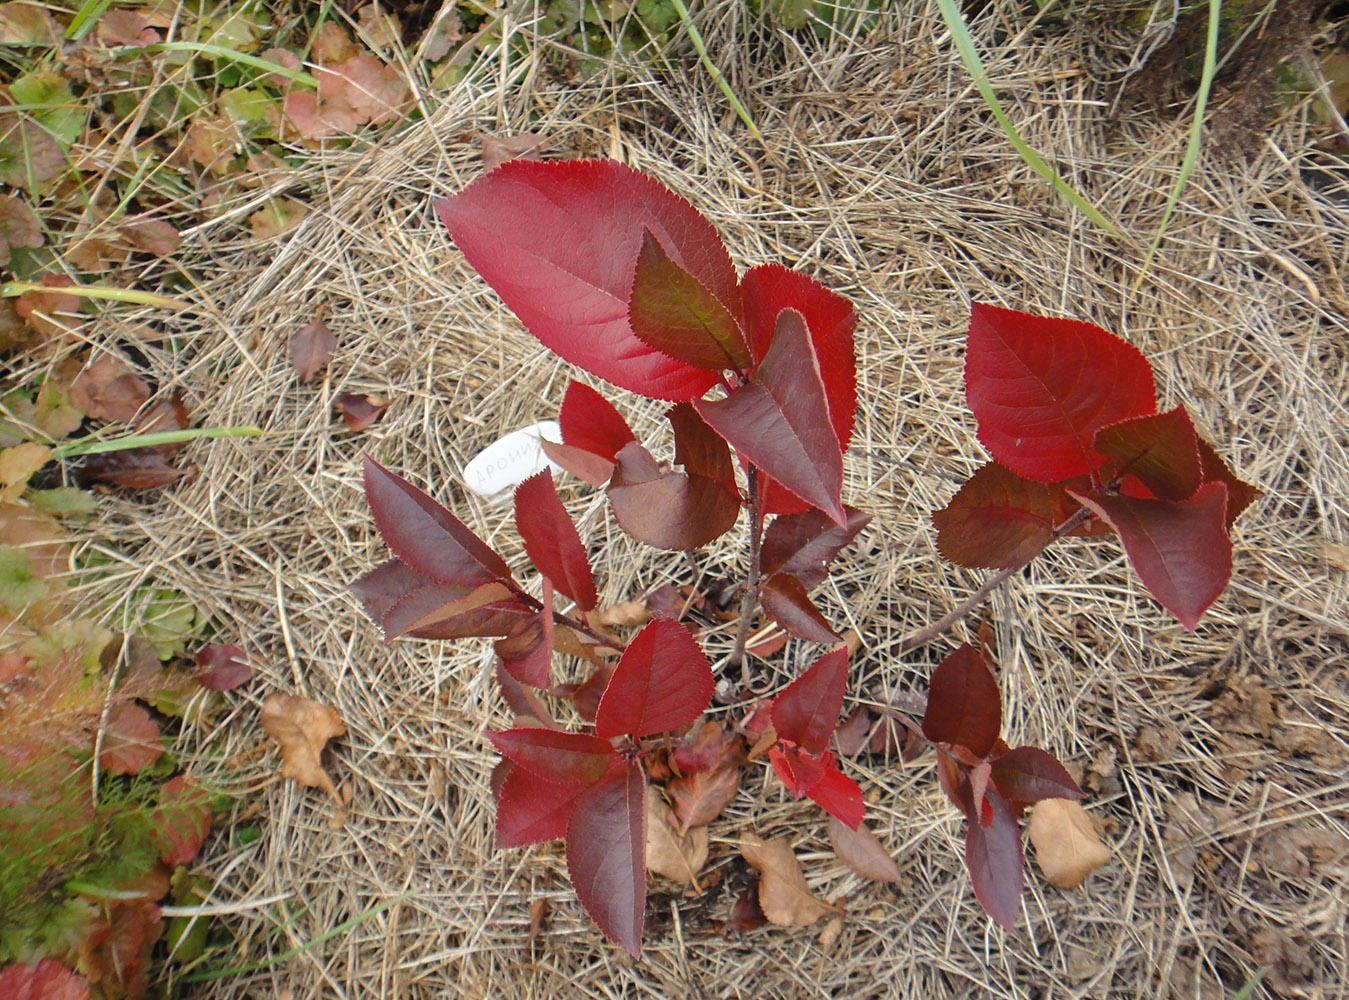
627, 613
497, 149
303, 728
829, 936
17, 464
862, 852
783, 892
668, 852
1066, 845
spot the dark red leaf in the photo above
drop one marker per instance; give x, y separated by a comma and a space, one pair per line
311, 349
1029, 774
779, 420
425, 535
964, 707
555, 755
662, 683
527, 653
439, 607
559, 243
746, 914
1041, 388
358, 410
181, 822
819, 777
392, 584
805, 544
223, 667
551, 540
47, 980
700, 449
584, 465
806, 712
1160, 449
785, 601
1240, 495
993, 857
533, 810
606, 854
669, 510
590, 422
1180, 550
998, 518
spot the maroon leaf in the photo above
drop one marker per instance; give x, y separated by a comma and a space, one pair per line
437, 607
527, 653
559, 243
1029, 774
311, 349
673, 312
806, 712
700, 449
780, 420
785, 601
662, 683
669, 510
425, 535
223, 667
993, 857
1240, 495
1041, 388
393, 583
555, 755
533, 810
590, 422
805, 544
999, 519
584, 465
358, 410
820, 778
551, 540
47, 980
130, 739
1180, 550
606, 854
1160, 449
964, 707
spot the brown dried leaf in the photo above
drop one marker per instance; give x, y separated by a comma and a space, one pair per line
107, 389
312, 348
130, 739
699, 798
677, 856
862, 852
447, 30
17, 464
302, 728
29, 156
830, 935
496, 150
1066, 845
50, 311
627, 613
783, 892
19, 226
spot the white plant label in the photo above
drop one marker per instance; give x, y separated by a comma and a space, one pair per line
507, 462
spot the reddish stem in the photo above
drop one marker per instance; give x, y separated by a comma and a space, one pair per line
749, 599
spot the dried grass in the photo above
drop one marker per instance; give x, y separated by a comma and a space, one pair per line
1217, 760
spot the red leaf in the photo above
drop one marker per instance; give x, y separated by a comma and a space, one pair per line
130, 739
999, 519
1029, 774
47, 980
555, 755
223, 667
1240, 495
993, 857
780, 420
425, 535
1180, 550
181, 822
964, 707
785, 601
1041, 388
527, 653
806, 711
533, 810
559, 243
358, 410
820, 778
700, 449
767, 290
669, 510
662, 683
148, 467
606, 854
311, 349
551, 540
584, 465
438, 607
390, 584
590, 422
1160, 449
805, 544
673, 312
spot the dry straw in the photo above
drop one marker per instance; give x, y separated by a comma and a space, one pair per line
1217, 761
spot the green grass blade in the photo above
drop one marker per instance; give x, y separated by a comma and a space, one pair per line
221, 52
1245, 992
960, 34
12, 288
85, 446
713, 70
86, 17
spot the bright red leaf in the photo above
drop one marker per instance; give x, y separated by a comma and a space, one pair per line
392, 585
779, 420
998, 518
1160, 449
533, 810
606, 854
559, 241
806, 712
555, 755
590, 422
1179, 549
994, 859
964, 706
1028, 774
551, 540
425, 535
821, 780
805, 544
1042, 387
527, 653
435, 608
662, 683
673, 312
669, 510
785, 601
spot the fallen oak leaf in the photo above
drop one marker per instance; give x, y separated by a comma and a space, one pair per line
783, 892
1066, 845
302, 728
677, 856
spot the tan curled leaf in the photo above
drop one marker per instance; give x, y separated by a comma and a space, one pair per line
829, 936
17, 464
668, 852
862, 852
1066, 845
783, 893
303, 728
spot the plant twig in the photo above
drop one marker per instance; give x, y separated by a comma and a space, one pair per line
751, 594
